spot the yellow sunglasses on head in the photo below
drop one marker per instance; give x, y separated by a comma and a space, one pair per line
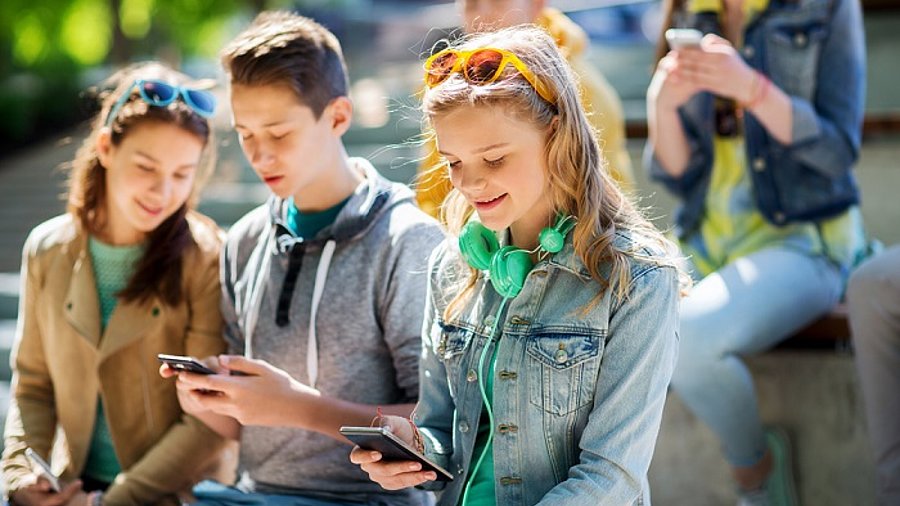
479, 66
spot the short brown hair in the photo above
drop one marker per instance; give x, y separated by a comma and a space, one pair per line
282, 47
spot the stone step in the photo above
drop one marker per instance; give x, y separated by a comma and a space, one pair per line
9, 295
4, 407
7, 334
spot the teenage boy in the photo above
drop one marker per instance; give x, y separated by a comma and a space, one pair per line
323, 285
599, 97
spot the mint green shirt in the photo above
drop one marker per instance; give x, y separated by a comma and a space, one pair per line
481, 484
113, 267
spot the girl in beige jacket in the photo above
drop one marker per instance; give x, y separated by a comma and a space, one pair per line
128, 272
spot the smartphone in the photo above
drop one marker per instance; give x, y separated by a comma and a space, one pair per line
183, 363
43, 469
391, 447
681, 38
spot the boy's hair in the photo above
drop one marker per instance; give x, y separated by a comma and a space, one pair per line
285, 48
158, 272
579, 182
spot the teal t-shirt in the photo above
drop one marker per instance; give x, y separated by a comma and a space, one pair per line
307, 225
481, 484
113, 267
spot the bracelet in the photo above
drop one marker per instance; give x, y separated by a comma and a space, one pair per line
96, 498
761, 85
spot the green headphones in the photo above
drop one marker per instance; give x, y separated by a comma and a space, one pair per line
509, 266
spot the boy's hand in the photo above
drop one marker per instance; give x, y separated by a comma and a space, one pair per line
396, 474
187, 401
39, 493
261, 395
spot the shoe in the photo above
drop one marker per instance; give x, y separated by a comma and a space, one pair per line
780, 483
758, 497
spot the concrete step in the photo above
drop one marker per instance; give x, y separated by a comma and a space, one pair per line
814, 396
7, 334
4, 407
9, 295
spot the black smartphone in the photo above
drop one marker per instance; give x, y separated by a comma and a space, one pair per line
183, 363
391, 447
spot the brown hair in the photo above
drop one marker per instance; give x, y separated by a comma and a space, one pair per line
159, 270
669, 9
281, 47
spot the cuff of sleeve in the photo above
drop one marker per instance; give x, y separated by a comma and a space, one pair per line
805, 122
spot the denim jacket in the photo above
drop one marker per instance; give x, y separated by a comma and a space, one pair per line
814, 50
578, 394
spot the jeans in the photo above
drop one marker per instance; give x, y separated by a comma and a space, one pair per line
873, 297
744, 308
212, 493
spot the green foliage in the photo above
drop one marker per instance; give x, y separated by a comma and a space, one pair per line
46, 46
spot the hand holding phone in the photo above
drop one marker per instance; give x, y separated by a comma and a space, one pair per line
43, 469
391, 447
184, 363
683, 38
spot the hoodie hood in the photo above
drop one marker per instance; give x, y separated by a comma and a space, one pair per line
374, 196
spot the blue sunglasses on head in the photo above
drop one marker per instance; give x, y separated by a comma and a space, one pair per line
161, 94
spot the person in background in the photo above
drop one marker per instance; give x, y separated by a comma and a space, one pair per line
128, 272
756, 130
600, 100
873, 298
543, 381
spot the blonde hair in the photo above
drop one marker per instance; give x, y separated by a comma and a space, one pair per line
579, 182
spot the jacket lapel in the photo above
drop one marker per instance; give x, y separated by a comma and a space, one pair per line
129, 322
82, 309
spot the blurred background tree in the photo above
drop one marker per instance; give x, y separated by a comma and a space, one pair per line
52, 49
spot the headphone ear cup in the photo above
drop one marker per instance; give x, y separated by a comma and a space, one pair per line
509, 268
551, 240
477, 245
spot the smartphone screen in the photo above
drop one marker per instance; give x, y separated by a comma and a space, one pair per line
392, 448
184, 363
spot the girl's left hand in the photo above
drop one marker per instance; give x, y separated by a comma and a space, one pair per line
719, 69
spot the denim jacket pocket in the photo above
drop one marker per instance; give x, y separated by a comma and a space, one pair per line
793, 56
562, 368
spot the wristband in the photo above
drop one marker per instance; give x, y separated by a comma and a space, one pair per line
760, 90
96, 498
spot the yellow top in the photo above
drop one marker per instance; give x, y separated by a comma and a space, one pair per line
600, 101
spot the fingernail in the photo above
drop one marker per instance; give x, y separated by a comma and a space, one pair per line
415, 466
431, 475
374, 455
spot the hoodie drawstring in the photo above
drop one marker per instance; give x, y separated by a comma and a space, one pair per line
312, 350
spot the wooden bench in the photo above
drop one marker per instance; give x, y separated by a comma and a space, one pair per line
832, 331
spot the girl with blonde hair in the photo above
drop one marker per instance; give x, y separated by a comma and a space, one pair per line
551, 314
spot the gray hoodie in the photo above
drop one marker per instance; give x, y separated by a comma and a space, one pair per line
361, 282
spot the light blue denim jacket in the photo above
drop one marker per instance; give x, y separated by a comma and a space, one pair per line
578, 394
814, 50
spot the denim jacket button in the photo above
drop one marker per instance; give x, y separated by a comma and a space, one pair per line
463, 427
759, 164
800, 39
471, 376
779, 217
561, 356
489, 320
749, 52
